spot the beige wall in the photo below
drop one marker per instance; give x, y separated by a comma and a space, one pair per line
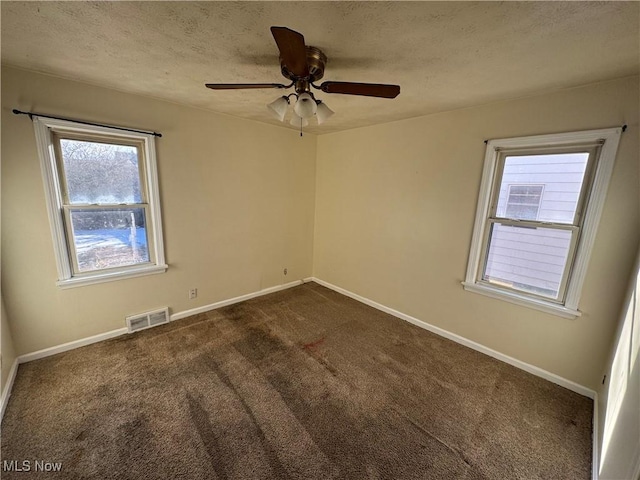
237, 201
395, 207
8, 352
619, 397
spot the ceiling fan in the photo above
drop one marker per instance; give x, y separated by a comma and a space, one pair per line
304, 65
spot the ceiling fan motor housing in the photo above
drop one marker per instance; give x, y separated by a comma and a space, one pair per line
316, 61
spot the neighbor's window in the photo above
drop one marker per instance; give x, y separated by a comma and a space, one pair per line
103, 201
524, 201
539, 206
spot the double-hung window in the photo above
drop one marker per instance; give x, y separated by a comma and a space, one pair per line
102, 196
538, 211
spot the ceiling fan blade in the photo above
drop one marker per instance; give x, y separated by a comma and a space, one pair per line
234, 86
293, 52
366, 89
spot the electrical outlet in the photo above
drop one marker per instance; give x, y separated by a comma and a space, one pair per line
285, 271
193, 293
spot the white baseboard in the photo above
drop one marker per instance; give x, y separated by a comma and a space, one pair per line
595, 455
552, 377
231, 301
6, 392
47, 352
432, 328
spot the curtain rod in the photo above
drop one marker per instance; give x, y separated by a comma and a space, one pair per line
624, 129
31, 114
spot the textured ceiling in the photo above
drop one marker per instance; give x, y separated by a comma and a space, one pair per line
444, 55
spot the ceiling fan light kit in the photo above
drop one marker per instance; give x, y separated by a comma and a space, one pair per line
279, 107
323, 113
303, 65
297, 121
306, 106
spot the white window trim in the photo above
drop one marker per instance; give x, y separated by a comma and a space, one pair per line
43, 129
595, 204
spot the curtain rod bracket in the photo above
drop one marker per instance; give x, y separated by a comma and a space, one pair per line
31, 114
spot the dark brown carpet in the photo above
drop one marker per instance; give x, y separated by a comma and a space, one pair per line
303, 383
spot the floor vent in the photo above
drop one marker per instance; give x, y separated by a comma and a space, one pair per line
147, 320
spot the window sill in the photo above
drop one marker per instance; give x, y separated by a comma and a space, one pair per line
522, 300
102, 277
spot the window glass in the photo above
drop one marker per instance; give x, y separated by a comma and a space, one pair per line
547, 187
530, 259
109, 238
100, 173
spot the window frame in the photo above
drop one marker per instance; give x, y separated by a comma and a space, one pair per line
586, 219
575, 226
48, 132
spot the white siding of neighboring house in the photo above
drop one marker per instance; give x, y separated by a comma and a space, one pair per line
530, 256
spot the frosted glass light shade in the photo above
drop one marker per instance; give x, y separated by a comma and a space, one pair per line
278, 108
305, 107
295, 120
323, 113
